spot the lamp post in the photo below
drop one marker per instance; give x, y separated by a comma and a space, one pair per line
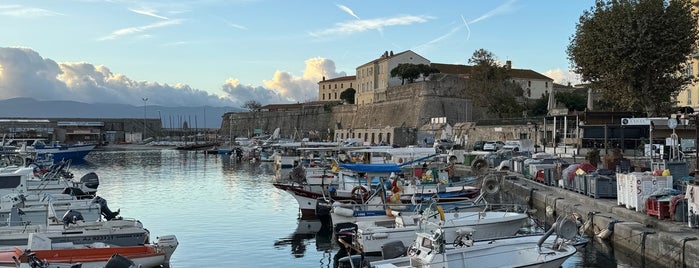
145, 105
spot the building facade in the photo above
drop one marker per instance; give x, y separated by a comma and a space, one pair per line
374, 77
331, 89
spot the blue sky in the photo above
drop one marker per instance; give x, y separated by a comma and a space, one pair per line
225, 52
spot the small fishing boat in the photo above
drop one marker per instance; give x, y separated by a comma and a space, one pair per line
431, 249
41, 251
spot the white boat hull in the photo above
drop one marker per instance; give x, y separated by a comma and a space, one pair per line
487, 226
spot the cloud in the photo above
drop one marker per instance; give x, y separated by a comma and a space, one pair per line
149, 13
140, 29
284, 87
26, 74
348, 11
26, 12
563, 77
356, 26
502, 9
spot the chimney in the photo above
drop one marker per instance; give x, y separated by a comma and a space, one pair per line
324, 78
508, 64
391, 53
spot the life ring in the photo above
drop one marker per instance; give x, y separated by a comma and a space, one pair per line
360, 189
400, 160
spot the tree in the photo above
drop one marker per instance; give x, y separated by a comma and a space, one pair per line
252, 105
406, 71
348, 95
425, 70
489, 86
635, 51
572, 100
540, 106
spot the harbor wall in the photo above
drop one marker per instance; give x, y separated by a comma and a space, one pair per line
656, 241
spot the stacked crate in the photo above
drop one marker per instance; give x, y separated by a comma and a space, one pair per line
634, 188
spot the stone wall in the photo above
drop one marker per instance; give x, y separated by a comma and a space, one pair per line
408, 106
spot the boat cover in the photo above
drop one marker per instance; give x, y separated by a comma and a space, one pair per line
375, 168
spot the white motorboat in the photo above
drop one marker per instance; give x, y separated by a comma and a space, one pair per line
488, 225
432, 249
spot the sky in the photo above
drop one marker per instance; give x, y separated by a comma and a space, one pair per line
225, 52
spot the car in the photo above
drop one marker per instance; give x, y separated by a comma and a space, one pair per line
512, 145
443, 144
478, 145
493, 145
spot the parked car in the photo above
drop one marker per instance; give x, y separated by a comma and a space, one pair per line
493, 145
512, 145
478, 145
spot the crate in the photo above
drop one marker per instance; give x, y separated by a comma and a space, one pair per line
634, 188
580, 184
658, 207
601, 186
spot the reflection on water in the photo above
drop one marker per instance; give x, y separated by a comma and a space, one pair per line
220, 208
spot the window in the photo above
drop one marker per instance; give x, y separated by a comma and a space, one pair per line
323, 96
546, 84
323, 86
335, 95
342, 85
388, 138
529, 83
350, 84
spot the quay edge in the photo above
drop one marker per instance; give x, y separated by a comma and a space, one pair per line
662, 242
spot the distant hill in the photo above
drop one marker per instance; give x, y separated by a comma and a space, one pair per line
202, 116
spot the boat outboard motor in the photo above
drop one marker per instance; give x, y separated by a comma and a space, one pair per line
345, 231
104, 209
72, 216
91, 181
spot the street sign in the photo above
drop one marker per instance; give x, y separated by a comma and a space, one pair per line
635, 121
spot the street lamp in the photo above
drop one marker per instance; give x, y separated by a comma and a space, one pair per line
145, 104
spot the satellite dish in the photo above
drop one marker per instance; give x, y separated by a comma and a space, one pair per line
567, 229
479, 166
491, 185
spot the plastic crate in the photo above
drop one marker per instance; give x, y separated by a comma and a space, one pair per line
601, 186
634, 188
658, 207
580, 184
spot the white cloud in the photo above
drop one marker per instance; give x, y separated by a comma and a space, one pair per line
502, 9
26, 12
150, 13
26, 74
348, 11
563, 77
284, 87
356, 26
140, 29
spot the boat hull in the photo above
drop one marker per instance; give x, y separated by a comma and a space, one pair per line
69, 152
486, 225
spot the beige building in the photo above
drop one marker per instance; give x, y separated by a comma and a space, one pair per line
690, 95
374, 77
330, 89
533, 83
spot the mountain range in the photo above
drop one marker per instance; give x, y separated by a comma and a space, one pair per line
201, 116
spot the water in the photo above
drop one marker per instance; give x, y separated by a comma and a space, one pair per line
228, 214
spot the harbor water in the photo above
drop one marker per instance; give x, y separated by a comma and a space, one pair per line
228, 214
